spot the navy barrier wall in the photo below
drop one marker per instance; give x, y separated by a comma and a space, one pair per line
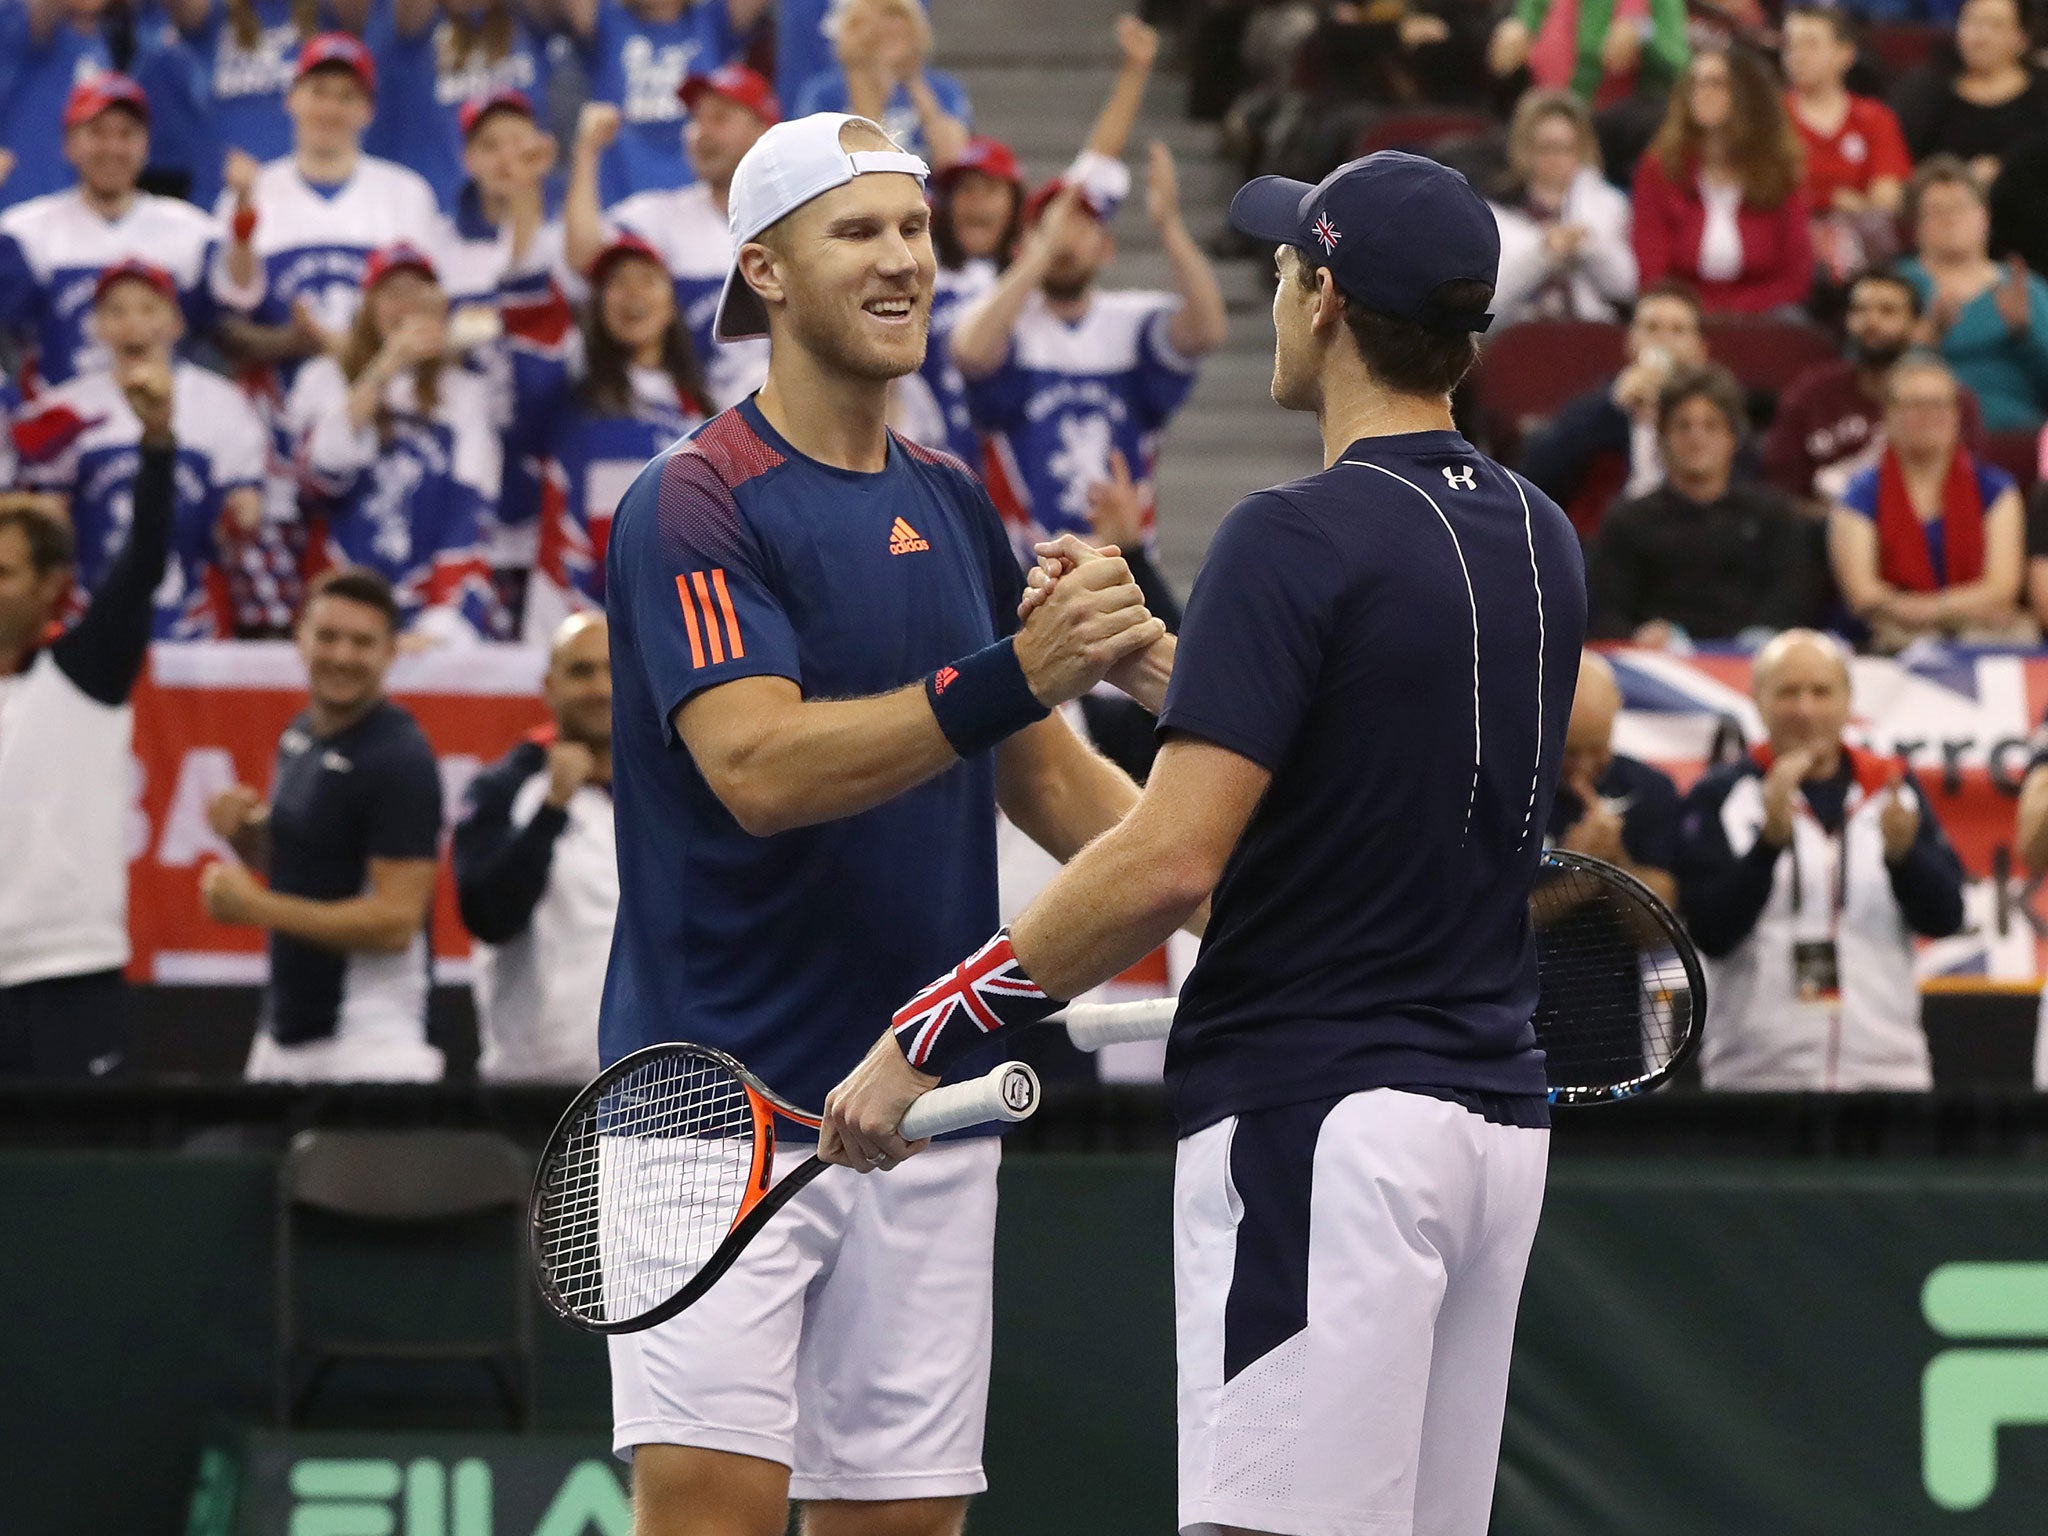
1727, 1347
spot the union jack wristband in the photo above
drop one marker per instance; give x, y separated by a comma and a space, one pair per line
985, 992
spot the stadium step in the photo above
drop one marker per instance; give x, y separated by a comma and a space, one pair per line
1037, 75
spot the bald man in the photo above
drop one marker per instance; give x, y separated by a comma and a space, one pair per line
1805, 870
1610, 807
537, 875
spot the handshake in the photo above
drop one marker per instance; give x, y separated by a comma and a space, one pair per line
1084, 622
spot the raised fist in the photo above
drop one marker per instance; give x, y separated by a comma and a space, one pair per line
597, 125
233, 809
147, 387
238, 174
1137, 42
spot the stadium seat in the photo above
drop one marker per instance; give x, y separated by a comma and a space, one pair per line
401, 1184
1421, 131
1903, 47
1766, 355
2017, 453
1529, 370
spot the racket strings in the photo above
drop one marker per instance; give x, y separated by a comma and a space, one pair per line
1615, 1000
648, 1182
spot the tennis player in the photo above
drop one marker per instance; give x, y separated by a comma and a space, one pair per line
1363, 731
820, 696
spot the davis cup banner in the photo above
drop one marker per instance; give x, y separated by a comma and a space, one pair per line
209, 714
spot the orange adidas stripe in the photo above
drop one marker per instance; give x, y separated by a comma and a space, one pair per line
732, 621
690, 621
710, 625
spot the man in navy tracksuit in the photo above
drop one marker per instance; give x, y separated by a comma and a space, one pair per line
537, 875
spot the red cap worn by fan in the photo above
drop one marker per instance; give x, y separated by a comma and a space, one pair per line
397, 258
89, 98
616, 249
338, 48
991, 157
738, 84
477, 108
132, 271
1088, 202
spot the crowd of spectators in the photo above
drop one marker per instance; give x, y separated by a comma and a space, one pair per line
413, 335
404, 354
314, 327
415, 332
1735, 183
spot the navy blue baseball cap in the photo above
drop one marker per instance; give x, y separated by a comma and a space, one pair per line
1392, 228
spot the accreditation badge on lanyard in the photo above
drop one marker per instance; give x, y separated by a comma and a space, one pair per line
1816, 962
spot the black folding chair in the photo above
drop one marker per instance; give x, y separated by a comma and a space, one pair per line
392, 1180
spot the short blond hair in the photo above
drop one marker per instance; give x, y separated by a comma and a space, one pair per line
909, 10
1530, 112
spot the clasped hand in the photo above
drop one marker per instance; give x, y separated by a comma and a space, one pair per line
1082, 614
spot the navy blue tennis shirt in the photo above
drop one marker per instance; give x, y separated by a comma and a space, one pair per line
370, 791
735, 556
1397, 639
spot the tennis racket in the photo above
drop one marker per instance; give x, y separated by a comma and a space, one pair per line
663, 1170
1620, 998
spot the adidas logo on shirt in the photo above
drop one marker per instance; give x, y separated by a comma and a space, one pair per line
906, 540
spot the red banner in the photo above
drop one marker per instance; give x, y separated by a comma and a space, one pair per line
208, 716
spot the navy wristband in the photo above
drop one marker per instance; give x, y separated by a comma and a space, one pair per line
985, 992
981, 699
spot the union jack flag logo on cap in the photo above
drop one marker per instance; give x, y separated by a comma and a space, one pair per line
1325, 232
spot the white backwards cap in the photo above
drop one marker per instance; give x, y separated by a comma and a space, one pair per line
790, 164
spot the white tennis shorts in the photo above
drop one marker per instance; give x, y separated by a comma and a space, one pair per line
1346, 1278
850, 1341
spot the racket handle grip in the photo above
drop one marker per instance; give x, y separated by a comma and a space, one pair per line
1091, 1026
1010, 1092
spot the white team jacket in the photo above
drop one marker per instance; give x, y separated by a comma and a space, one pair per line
1759, 1035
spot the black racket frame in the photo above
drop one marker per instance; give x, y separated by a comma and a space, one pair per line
1688, 958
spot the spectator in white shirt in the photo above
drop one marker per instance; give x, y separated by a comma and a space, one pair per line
501, 242
729, 109
85, 443
66, 727
301, 229
1564, 231
1060, 372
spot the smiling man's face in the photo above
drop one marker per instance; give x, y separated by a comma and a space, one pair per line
856, 269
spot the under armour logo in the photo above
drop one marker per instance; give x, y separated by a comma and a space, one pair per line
1461, 478
1325, 232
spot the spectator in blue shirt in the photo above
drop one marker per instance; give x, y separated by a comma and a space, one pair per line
638, 53
881, 75
338, 863
803, 43
435, 55
1928, 541
1062, 374
46, 47
217, 72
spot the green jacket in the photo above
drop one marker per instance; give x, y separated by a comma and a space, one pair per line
1665, 52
